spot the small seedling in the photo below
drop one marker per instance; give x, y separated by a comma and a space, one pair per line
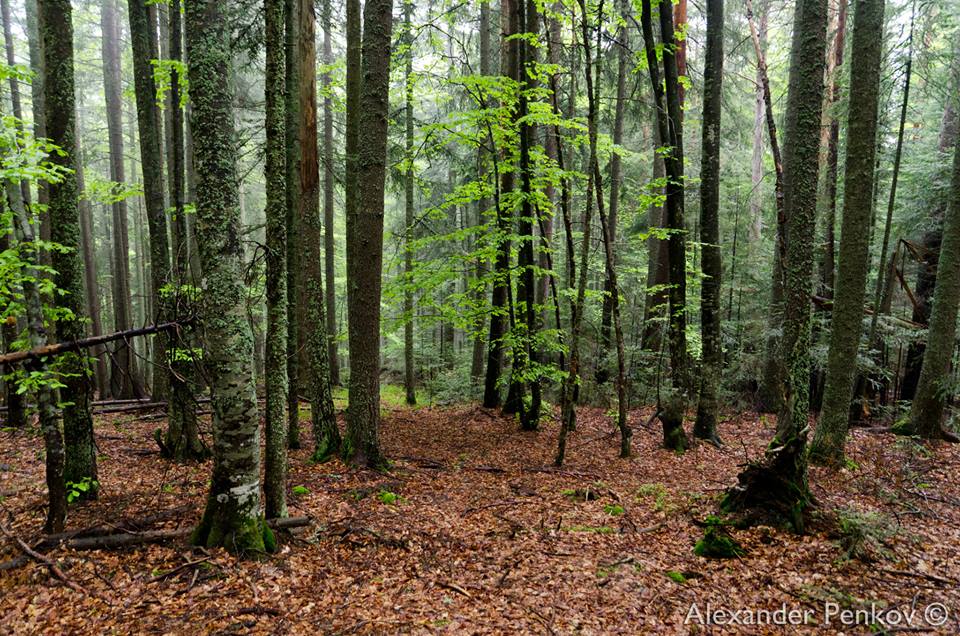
614, 510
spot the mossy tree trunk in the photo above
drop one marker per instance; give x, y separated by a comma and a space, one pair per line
928, 405
275, 475
291, 115
317, 381
846, 327
232, 517
365, 239
775, 488
705, 426
56, 32
142, 38
53, 442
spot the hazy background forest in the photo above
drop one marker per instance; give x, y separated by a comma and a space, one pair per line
472, 303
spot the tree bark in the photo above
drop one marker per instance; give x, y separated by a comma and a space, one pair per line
275, 382
124, 378
776, 488
232, 517
56, 32
409, 379
846, 327
926, 412
705, 426
325, 432
365, 239
329, 184
292, 156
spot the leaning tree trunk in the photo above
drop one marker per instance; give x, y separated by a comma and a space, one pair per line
365, 239
847, 324
705, 426
775, 489
275, 474
232, 517
56, 30
928, 405
326, 435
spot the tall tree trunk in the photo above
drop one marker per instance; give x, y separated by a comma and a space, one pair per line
232, 517
776, 489
182, 440
926, 412
705, 426
329, 183
577, 302
124, 382
143, 41
771, 381
616, 181
846, 327
501, 281
56, 31
756, 176
528, 358
275, 476
325, 432
365, 239
38, 106
658, 258
292, 156
53, 441
828, 264
16, 413
409, 380
931, 248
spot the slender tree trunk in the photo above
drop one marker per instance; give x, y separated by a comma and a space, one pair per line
501, 281
828, 264
931, 244
365, 239
143, 40
182, 439
409, 380
705, 426
776, 489
292, 155
329, 183
56, 30
756, 178
53, 441
16, 413
616, 181
658, 258
38, 106
124, 381
275, 476
325, 432
926, 412
846, 327
232, 517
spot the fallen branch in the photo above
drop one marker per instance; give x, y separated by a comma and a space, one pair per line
85, 343
920, 575
36, 556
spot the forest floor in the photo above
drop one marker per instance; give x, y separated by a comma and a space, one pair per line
471, 531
